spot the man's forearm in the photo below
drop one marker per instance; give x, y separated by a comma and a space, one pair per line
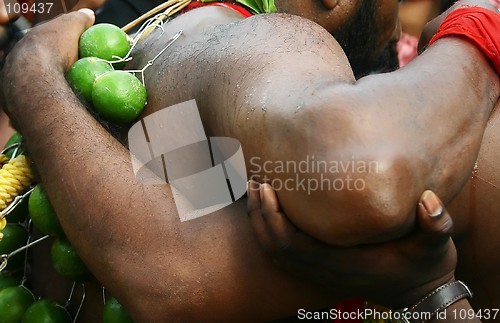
74, 156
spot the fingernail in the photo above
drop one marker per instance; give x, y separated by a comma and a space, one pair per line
264, 188
432, 204
87, 11
252, 185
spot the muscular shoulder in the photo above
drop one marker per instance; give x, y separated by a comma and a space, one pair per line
219, 52
214, 35
288, 40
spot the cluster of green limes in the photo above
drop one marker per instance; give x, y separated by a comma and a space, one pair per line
64, 257
17, 303
117, 96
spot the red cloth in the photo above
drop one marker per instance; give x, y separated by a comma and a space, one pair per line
196, 4
479, 26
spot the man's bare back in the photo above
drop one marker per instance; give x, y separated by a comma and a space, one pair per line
239, 100
472, 209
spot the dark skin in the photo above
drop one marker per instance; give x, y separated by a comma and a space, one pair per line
472, 210
198, 282
308, 258
281, 119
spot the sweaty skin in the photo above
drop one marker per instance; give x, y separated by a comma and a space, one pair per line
374, 121
200, 265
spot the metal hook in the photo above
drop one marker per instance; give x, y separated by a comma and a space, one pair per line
151, 61
15, 202
13, 146
3, 261
70, 298
15, 252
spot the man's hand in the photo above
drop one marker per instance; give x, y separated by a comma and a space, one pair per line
42, 47
52, 45
394, 274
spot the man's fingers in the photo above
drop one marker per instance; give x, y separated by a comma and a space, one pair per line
279, 226
270, 203
75, 22
253, 196
58, 38
84, 18
90, 16
270, 225
254, 210
433, 217
260, 230
92, 4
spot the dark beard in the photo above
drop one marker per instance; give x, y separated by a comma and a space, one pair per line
358, 41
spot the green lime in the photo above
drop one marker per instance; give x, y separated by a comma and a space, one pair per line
67, 262
119, 97
83, 73
105, 41
9, 280
114, 312
13, 303
15, 236
42, 214
46, 311
16, 138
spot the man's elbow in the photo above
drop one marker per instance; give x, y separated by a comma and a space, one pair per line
391, 200
372, 202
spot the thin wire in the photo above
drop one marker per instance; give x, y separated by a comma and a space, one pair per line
70, 295
70, 298
171, 6
25, 276
151, 61
103, 295
16, 201
81, 303
13, 253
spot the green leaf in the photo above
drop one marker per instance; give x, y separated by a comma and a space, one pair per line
265, 5
251, 4
271, 7
259, 6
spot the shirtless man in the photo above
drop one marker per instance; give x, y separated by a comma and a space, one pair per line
200, 265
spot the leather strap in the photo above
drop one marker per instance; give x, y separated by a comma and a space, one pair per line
436, 301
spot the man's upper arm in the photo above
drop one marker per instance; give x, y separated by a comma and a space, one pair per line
350, 159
